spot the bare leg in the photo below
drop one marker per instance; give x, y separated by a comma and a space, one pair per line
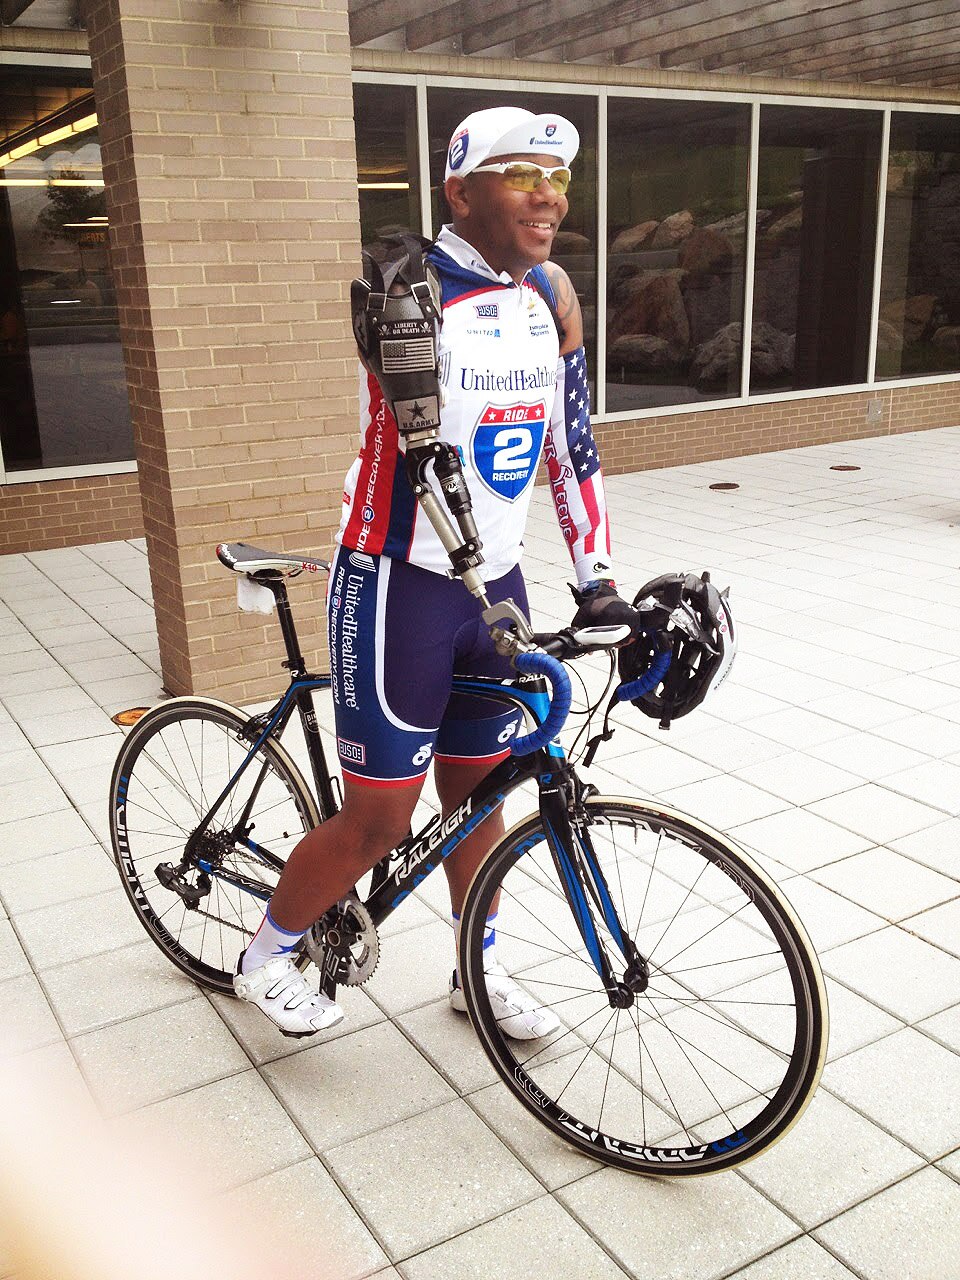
331, 858
454, 784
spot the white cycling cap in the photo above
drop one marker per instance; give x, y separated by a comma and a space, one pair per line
508, 131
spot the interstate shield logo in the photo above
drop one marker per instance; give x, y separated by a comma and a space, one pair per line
506, 447
458, 149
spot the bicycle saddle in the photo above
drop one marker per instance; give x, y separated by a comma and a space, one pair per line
242, 558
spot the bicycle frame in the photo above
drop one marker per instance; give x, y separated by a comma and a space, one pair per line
396, 876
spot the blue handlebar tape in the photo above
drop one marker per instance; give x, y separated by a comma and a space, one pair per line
649, 680
542, 664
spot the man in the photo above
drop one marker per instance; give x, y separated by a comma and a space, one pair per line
399, 626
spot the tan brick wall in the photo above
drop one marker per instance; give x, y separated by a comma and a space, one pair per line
228, 153
69, 513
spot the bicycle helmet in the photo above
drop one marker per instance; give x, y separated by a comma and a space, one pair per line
694, 620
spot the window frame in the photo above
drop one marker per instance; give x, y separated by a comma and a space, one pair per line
603, 92
38, 475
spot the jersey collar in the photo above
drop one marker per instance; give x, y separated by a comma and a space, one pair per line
465, 255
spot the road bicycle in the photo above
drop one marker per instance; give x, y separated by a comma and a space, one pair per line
693, 1017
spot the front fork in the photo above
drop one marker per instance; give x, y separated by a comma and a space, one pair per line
566, 825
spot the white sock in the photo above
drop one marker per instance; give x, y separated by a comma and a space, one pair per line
269, 941
489, 942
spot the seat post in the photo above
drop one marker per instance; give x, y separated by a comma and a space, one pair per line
295, 660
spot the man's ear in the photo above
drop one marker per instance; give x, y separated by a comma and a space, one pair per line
458, 198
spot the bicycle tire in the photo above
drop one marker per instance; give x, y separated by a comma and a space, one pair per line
730, 964
172, 766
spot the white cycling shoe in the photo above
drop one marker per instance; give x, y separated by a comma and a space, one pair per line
280, 990
519, 1015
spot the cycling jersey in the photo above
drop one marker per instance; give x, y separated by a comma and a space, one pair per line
509, 398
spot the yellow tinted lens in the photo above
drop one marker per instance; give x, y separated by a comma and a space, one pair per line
523, 177
527, 177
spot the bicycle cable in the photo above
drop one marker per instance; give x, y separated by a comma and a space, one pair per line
591, 710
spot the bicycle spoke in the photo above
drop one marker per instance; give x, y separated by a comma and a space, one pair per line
668, 1058
176, 766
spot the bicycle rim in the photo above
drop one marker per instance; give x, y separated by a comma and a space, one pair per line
717, 1058
171, 769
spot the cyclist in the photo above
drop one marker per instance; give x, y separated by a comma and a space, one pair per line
399, 626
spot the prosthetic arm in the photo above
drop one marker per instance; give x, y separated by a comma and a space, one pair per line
396, 322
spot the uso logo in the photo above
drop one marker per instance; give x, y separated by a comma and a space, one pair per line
458, 149
550, 130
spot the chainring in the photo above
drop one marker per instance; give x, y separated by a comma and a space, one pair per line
344, 944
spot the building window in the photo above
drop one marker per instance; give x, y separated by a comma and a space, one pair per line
919, 326
575, 246
677, 200
385, 116
63, 395
816, 241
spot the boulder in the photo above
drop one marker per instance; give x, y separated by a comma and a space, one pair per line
634, 238
619, 277
642, 351
771, 351
672, 230
735, 227
705, 252
948, 337
716, 363
655, 308
571, 242
786, 224
639, 281
889, 339
913, 317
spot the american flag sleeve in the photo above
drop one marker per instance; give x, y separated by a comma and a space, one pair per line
573, 467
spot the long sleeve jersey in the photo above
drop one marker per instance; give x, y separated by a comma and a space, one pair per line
509, 398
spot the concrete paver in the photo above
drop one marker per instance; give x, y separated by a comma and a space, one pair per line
832, 753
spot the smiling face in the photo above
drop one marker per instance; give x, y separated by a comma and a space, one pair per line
512, 230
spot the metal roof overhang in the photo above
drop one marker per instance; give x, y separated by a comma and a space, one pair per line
914, 43
908, 42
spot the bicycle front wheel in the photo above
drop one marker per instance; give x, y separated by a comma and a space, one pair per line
716, 1058
202, 909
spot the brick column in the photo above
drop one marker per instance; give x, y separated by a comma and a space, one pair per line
230, 168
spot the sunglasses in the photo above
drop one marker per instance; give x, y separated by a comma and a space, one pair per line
523, 176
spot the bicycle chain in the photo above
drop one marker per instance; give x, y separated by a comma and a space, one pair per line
240, 855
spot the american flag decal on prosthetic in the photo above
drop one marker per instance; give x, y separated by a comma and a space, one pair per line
573, 465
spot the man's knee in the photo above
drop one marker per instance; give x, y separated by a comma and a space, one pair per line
378, 819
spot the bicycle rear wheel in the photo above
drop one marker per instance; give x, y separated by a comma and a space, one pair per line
171, 768
717, 1058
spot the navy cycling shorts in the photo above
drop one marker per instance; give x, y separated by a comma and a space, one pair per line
398, 635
